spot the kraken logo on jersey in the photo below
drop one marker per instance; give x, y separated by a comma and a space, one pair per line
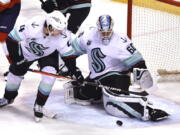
36, 48
97, 64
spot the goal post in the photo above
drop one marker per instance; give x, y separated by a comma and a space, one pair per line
154, 27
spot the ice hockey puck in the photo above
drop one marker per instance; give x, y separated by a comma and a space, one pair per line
119, 123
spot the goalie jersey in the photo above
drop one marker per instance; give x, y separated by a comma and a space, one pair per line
119, 55
35, 44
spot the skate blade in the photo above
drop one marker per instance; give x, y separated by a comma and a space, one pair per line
50, 114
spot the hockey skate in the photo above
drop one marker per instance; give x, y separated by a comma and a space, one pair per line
71, 94
157, 114
38, 112
4, 102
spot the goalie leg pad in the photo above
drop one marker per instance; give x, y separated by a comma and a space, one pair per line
73, 95
126, 106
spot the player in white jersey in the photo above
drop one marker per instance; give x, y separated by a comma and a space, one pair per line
112, 57
41, 39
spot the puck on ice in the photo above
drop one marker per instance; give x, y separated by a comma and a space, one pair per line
119, 123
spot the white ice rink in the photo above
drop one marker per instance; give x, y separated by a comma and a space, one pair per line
17, 119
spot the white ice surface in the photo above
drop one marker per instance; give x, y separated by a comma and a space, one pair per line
17, 119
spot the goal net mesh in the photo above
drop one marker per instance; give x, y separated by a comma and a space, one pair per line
156, 34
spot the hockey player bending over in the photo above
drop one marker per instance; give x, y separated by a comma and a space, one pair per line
78, 10
41, 39
112, 57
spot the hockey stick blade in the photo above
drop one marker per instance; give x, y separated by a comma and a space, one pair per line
50, 114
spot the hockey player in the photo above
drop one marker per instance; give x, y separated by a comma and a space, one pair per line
78, 9
112, 57
40, 39
9, 11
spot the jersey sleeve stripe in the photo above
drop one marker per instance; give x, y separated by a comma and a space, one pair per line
14, 35
137, 57
76, 46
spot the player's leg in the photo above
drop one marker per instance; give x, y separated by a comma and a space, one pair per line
16, 72
47, 64
116, 80
7, 22
77, 17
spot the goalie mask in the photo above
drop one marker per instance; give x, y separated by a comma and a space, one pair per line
105, 26
56, 22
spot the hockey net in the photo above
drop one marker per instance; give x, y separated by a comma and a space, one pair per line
154, 27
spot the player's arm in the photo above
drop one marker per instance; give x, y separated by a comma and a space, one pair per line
136, 64
78, 43
129, 55
68, 67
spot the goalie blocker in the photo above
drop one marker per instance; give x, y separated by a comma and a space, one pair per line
142, 77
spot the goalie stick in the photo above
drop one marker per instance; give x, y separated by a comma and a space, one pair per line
143, 93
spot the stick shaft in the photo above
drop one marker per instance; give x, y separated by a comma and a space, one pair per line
49, 74
143, 93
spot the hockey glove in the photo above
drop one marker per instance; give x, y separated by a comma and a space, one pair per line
48, 6
143, 78
63, 71
78, 76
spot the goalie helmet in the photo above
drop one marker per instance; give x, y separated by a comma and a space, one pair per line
105, 26
57, 20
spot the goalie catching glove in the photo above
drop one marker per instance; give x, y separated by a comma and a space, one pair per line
143, 78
